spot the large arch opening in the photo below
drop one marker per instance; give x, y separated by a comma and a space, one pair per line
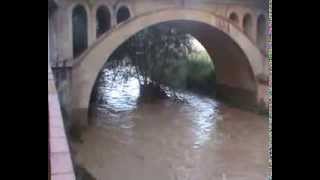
123, 14
261, 32
237, 60
247, 25
235, 81
123, 85
79, 30
102, 20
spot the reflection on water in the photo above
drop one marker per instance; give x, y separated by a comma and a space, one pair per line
118, 95
200, 139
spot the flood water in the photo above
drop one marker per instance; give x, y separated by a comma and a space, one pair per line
201, 139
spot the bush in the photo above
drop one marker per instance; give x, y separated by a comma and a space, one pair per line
162, 55
201, 74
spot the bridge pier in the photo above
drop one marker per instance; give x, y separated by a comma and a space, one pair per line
237, 96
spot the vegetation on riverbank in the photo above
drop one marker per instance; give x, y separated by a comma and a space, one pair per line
163, 56
200, 73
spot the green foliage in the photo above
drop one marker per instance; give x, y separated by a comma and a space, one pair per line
154, 52
200, 65
201, 74
163, 55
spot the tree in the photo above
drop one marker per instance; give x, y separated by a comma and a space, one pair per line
155, 55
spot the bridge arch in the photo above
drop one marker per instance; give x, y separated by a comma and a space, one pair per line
234, 18
261, 31
79, 29
237, 60
247, 24
103, 19
123, 13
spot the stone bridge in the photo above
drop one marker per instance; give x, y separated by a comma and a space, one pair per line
84, 33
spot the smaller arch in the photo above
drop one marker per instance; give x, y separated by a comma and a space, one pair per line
79, 29
247, 25
103, 20
261, 32
234, 18
123, 14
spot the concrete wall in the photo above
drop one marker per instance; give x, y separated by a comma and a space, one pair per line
63, 83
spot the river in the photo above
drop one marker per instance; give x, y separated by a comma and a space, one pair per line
200, 139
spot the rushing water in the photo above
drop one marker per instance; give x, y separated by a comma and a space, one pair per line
201, 139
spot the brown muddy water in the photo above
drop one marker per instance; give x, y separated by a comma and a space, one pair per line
201, 139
